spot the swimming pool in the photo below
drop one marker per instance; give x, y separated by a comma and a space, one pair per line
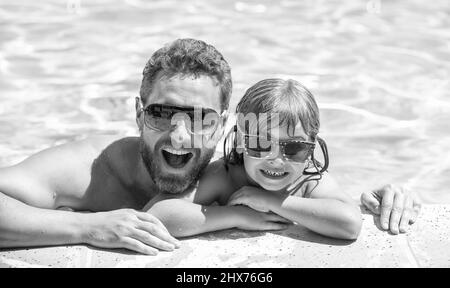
379, 70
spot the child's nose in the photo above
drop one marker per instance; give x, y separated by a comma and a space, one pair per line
276, 162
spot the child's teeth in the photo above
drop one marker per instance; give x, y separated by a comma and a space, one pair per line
274, 173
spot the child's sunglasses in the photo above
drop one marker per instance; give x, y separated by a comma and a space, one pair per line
198, 121
294, 150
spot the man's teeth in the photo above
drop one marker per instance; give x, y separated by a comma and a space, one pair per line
271, 173
175, 151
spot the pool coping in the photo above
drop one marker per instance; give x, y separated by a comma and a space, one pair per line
426, 244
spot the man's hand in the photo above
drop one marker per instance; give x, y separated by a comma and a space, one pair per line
253, 220
255, 198
130, 229
396, 206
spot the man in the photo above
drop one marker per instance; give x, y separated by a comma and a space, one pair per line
116, 178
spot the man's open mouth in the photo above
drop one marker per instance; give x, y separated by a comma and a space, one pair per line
176, 158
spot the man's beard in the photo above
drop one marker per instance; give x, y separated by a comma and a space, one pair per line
169, 183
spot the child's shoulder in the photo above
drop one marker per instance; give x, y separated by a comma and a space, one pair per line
214, 182
218, 170
326, 183
222, 180
214, 171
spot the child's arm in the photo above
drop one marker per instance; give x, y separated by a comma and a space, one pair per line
190, 214
326, 209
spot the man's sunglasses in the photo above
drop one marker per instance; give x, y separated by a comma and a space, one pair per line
262, 147
198, 121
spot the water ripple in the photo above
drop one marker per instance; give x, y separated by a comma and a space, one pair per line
72, 68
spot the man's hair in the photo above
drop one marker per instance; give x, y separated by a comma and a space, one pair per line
288, 99
188, 57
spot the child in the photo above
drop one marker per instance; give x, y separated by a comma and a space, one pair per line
270, 168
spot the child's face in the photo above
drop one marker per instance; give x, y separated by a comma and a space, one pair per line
276, 173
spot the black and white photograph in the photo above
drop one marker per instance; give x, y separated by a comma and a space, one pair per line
224, 134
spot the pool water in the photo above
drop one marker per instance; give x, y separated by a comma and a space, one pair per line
379, 70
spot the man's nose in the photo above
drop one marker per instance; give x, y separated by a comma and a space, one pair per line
179, 136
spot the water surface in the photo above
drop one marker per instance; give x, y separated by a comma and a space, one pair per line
379, 70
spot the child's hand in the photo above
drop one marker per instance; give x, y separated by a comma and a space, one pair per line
255, 198
397, 207
253, 220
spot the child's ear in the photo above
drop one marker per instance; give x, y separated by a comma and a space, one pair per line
139, 111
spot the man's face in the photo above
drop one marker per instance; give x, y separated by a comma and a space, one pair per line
168, 155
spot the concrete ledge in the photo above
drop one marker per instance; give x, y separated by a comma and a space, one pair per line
426, 244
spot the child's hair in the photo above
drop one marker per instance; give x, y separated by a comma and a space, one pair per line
288, 99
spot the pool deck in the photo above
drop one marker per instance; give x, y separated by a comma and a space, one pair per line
426, 244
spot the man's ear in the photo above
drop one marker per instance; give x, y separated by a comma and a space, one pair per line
219, 133
239, 144
223, 125
139, 118
224, 122
225, 118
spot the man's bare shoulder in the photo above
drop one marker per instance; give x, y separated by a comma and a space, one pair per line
64, 170
73, 160
327, 182
76, 151
99, 143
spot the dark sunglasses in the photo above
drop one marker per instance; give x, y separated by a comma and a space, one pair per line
198, 121
294, 150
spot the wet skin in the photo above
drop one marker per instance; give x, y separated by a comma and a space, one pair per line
102, 173
106, 173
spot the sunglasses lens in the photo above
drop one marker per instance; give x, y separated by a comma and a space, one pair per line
158, 118
298, 151
197, 121
208, 123
258, 147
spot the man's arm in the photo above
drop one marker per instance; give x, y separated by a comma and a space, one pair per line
192, 213
22, 225
31, 190
25, 218
183, 218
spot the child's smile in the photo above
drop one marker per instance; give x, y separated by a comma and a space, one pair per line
273, 174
